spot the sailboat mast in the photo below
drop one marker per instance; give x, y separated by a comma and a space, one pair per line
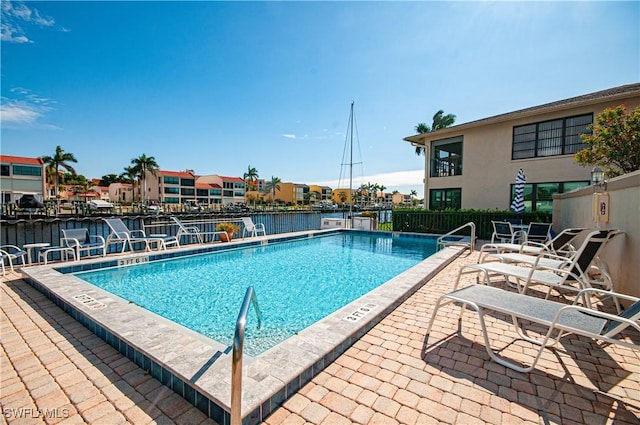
351, 167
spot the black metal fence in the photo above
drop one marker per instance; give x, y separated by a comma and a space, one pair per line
441, 222
31, 230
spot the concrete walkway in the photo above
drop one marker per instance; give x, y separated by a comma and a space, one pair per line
53, 370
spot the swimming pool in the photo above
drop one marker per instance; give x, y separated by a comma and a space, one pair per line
297, 283
197, 367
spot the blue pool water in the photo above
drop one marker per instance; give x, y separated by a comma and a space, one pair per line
297, 283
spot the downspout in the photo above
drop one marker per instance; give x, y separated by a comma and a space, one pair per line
427, 173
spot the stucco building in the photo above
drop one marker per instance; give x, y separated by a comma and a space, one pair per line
474, 165
19, 176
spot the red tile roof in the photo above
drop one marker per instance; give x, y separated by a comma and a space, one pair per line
185, 174
208, 185
21, 160
231, 179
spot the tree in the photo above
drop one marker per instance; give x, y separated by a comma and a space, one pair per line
106, 180
440, 120
250, 177
614, 141
273, 186
59, 159
141, 165
129, 176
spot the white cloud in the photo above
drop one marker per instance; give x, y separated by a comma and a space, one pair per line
12, 111
290, 136
26, 110
13, 14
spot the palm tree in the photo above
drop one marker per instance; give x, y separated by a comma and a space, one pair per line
250, 177
272, 186
440, 120
129, 176
142, 164
59, 159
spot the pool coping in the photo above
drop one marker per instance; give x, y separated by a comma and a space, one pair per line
198, 368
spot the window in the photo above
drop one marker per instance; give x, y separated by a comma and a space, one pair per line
169, 200
188, 182
25, 170
172, 190
550, 138
215, 192
440, 199
187, 192
4, 170
171, 180
539, 196
202, 192
446, 157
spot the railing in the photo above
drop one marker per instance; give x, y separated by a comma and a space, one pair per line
236, 361
442, 242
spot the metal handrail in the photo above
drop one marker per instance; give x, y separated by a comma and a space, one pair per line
236, 361
440, 243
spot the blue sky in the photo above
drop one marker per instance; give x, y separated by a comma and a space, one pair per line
218, 86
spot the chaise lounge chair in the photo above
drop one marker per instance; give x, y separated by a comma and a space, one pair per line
571, 274
557, 318
559, 245
193, 231
120, 233
545, 259
251, 228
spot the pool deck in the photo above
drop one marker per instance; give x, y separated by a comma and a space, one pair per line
52, 363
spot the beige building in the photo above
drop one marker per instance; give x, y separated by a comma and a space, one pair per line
121, 192
233, 188
474, 165
19, 176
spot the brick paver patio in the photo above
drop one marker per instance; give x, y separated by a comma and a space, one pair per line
53, 370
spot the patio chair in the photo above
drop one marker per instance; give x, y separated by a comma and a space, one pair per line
557, 318
82, 241
538, 232
571, 275
193, 231
11, 253
503, 232
559, 245
251, 228
546, 259
120, 233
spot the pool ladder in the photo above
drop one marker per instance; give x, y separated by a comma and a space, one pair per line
442, 243
236, 361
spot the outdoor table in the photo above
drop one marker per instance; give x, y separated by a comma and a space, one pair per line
32, 246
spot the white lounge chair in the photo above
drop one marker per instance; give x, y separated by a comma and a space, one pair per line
193, 231
82, 241
559, 319
251, 228
571, 275
559, 245
11, 253
544, 259
120, 233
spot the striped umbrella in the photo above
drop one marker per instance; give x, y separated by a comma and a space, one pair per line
518, 202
